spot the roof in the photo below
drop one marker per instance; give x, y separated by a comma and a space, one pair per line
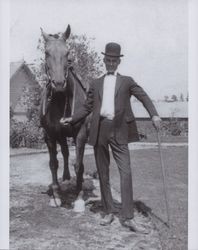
165, 109
14, 67
17, 66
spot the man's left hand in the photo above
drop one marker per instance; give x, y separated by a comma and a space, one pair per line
156, 122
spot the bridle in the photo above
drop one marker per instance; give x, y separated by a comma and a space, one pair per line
50, 84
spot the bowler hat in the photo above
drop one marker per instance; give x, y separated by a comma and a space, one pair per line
112, 49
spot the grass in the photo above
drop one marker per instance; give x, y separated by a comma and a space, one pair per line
148, 187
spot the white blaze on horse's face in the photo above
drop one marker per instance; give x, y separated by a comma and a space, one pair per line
56, 59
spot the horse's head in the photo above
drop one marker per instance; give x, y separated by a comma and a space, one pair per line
56, 59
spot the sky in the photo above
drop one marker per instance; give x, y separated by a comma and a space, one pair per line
153, 35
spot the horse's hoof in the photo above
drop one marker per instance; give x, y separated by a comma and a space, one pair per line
52, 203
79, 204
57, 202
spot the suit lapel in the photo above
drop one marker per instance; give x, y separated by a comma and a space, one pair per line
118, 84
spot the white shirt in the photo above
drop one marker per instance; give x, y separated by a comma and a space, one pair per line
108, 107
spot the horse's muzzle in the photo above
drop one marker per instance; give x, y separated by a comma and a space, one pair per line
59, 86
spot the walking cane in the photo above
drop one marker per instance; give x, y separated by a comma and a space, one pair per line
164, 178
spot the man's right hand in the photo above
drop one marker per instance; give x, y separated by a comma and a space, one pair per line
157, 122
65, 120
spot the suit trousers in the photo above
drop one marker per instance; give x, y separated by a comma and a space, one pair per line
121, 156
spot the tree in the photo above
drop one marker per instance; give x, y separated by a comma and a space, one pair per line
174, 98
181, 98
187, 97
166, 98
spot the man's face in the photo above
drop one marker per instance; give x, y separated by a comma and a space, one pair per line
111, 63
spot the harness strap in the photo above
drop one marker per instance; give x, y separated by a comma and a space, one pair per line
47, 96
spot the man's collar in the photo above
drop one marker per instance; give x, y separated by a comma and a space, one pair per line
111, 74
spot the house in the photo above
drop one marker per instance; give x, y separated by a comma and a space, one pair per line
22, 80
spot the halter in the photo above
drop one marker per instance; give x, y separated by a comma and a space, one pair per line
49, 77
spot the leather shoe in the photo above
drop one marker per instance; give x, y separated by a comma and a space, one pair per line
107, 220
133, 226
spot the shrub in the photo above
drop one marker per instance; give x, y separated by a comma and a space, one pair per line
16, 133
25, 134
33, 135
170, 127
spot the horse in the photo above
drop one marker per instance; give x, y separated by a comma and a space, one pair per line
63, 94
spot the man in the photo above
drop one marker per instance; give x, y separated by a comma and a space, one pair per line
113, 124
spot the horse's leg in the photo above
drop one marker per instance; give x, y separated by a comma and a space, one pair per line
65, 153
80, 139
53, 163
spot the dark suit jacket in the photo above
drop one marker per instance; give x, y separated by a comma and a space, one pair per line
124, 120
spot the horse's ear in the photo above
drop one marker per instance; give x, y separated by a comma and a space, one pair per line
45, 35
66, 34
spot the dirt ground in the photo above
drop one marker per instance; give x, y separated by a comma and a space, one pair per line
35, 225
